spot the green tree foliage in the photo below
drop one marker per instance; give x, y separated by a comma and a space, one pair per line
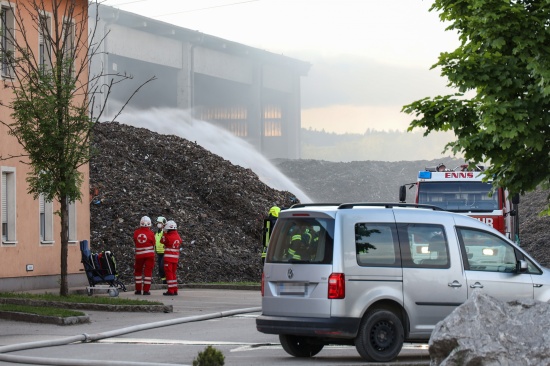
209, 357
501, 111
53, 93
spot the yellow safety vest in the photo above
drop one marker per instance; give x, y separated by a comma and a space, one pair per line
159, 247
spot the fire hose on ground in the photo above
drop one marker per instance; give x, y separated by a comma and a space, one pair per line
86, 338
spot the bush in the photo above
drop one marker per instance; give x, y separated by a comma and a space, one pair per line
209, 357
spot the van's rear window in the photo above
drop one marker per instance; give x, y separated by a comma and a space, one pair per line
302, 240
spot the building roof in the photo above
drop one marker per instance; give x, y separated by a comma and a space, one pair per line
160, 28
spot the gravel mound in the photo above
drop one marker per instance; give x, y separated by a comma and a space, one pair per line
219, 207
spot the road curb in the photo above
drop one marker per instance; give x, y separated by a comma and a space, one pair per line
44, 319
87, 306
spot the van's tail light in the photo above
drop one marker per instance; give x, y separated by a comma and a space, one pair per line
336, 286
262, 284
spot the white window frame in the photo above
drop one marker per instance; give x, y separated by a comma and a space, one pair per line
69, 46
45, 220
7, 38
45, 54
8, 205
71, 208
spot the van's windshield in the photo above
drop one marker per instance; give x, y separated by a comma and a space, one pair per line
301, 240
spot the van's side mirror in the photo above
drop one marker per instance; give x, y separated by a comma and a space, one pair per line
402, 194
521, 266
515, 199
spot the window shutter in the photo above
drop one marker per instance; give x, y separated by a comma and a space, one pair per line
4, 198
41, 203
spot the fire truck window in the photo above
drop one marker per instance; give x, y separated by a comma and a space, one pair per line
487, 252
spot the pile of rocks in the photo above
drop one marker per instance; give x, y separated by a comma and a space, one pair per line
356, 181
488, 331
219, 207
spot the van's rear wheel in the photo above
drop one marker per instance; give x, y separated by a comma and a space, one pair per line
299, 346
380, 337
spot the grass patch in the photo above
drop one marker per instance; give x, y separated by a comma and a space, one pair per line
84, 299
44, 311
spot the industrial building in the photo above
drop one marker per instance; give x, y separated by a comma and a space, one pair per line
253, 93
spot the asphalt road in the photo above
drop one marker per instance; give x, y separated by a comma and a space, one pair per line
128, 338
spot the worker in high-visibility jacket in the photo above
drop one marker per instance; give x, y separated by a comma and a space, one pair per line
159, 247
272, 217
300, 242
144, 241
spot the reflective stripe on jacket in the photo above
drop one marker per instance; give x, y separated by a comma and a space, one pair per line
172, 241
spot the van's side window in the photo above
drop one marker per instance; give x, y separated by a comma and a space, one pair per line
376, 245
424, 245
484, 251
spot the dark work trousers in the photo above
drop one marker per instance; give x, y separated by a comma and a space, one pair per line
160, 263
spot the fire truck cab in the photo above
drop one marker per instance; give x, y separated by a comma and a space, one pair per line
462, 190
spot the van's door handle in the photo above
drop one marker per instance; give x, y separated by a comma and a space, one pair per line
455, 283
476, 285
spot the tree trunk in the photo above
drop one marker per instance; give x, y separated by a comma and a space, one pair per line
63, 285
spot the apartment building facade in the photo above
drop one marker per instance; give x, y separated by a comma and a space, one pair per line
30, 245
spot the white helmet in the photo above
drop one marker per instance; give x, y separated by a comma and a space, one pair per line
170, 225
145, 221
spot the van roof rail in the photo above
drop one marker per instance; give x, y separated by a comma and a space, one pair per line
299, 205
389, 205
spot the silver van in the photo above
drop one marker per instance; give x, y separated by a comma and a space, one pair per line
377, 275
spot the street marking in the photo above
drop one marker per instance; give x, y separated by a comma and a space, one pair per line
170, 341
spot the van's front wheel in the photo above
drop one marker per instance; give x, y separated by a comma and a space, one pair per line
299, 346
380, 337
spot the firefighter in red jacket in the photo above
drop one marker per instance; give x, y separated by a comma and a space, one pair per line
144, 241
172, 241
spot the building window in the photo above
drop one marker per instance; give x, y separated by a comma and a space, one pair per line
8, 206
69, 46
7, 47
72, 221
238, 128
46, 220
273, 121
44, 38
234, 119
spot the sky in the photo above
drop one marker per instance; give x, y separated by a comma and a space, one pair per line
368, 58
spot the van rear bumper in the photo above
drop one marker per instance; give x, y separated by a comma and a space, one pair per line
312, 327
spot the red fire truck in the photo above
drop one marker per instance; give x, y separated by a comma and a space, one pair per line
462, 190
